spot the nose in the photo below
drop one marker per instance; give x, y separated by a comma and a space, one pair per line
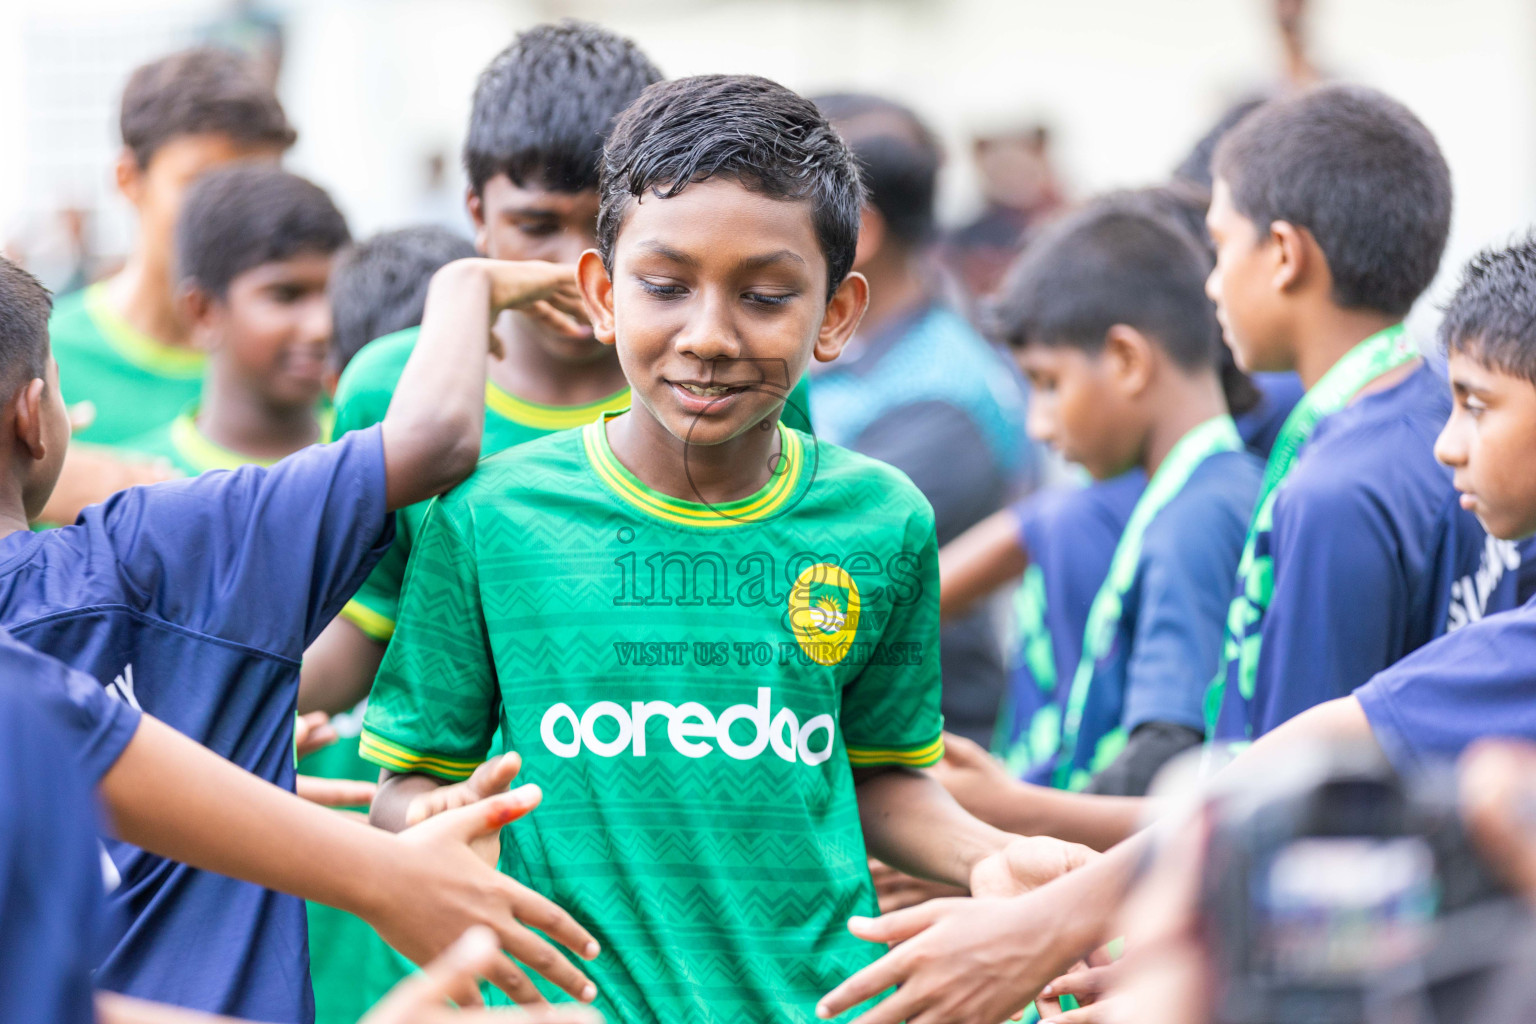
316, 324
1451, 445
1040, 422
710, 331
1213, 284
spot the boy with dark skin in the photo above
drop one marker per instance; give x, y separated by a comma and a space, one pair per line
1432, 706
718, 254
124, 597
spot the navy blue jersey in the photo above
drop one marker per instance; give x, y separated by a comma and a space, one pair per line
1465, 686
1278, 395
1168, 641
1070, 536
194, 600
1373, 557
55, 741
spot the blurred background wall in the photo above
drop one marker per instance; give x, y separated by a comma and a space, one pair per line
379, 89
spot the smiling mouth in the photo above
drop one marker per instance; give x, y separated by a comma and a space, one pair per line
708, 390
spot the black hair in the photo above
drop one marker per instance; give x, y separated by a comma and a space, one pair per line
239, 217
769, 139
898, 157
1119, 260
24, 309
380, 286
1195, 168
544, 105
203, 91
1358, 171
1492, 315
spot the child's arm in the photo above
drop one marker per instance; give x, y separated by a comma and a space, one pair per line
433, 426
338, 668
420, 890
977, 562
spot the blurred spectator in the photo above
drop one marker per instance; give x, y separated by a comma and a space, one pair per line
918, 387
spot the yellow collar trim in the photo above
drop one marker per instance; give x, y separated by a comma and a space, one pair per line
202, 454
550, 417
137, 347
763, 505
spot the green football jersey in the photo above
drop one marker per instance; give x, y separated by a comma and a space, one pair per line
191, 452
135, 382
692, 686
362, 398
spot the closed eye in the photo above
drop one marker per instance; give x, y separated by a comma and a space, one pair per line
661, 291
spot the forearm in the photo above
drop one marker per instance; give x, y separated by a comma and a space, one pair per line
1095, 821
911, 823
392, 803
177, 799
112, 1008
433, 427
338, 668
978, 562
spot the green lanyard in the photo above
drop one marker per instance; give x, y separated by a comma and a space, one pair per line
1215, 435
1380, 353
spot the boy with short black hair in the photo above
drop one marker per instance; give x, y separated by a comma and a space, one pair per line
379, 286
123, 345
193, 601
712, 639
254, 248
1329, 214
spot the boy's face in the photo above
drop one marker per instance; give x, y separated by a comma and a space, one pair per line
273, 328
156, 191
717, 302
1488, 443
1242, 285
533, 223
1076, 408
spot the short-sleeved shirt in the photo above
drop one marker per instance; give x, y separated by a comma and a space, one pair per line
1169, 638
1373, 557
1069, 535
1465, 686
1278, 395
181, 443
928, 395
194, 600
692, 686
136, 382
53, 745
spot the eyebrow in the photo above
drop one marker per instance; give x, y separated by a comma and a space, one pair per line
759, 262
1462, 384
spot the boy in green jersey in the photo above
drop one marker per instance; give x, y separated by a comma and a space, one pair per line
254, 247
124, 350
541, 110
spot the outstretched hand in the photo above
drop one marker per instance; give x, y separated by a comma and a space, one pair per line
491, 778
422, 998
1026, 863
447, 887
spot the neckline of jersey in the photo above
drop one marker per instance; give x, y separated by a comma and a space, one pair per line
767, 503
550, 417
203, 454
135, 346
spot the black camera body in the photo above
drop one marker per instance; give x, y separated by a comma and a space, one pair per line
1335, 892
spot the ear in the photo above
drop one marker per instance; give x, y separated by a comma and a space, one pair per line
199, 311
129, 176
597, 296
871, 236
476, 207
27, 414
1131, 358
1294, 258
842, 317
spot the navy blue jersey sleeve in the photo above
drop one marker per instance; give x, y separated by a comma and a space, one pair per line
1467, 685
96, 727
1188, 565
1341, 600
261, 557
51, 898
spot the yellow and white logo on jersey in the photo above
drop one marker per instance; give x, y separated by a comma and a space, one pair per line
824, 612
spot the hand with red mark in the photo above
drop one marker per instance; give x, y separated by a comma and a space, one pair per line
492, 777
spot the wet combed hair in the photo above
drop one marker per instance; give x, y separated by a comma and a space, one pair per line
898, 157
202, 91
1119, 260
1492, 315
239, 217
1357, 170
754, 131
544, 105
380, 286
24, 308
